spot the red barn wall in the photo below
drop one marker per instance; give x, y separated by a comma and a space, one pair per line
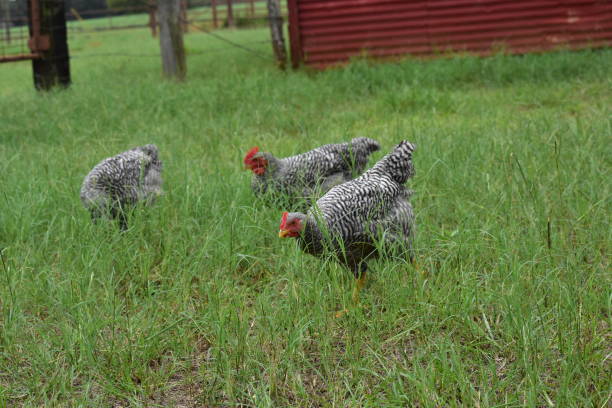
328, 32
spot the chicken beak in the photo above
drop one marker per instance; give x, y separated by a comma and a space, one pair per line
283, 233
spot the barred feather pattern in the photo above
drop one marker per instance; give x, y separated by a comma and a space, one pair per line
320, 169
351, 217
122, 181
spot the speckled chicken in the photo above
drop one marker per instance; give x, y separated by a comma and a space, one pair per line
121, 181
361, 218
296, 179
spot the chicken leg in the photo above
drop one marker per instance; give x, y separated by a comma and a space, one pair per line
417, 268
361, 274
360, 283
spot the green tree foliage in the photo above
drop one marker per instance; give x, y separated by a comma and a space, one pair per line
113, 4
85, 5
19, 8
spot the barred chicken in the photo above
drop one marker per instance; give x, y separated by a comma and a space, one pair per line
362, 218
120, 182
293, 180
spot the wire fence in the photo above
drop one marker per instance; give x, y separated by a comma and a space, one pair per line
247, 47
207, 17
213, 13
14, 32
14, 41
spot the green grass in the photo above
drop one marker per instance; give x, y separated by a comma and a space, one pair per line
200, 303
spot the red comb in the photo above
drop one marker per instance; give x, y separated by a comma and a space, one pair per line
284, 220
250, 154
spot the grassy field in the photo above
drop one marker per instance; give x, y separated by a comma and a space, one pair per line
200, 304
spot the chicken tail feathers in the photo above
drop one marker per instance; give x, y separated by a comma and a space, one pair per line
398, 163
359, 150
365, 144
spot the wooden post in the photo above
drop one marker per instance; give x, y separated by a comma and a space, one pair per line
252, 8
213, 4
48, 38
230, 14
171, 39
276, 30
152, 18
184, 21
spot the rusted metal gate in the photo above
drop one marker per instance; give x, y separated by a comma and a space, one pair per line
329, 32
47, 44
36, 43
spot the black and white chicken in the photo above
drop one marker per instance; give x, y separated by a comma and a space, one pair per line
308, 175
361, 218
121, 181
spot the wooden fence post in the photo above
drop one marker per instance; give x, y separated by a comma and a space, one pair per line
276, 30
184, 20
153, 18
171, 39
213, 4
230, 14
47, 26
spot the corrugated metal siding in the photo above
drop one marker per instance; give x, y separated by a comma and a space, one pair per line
326, 32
